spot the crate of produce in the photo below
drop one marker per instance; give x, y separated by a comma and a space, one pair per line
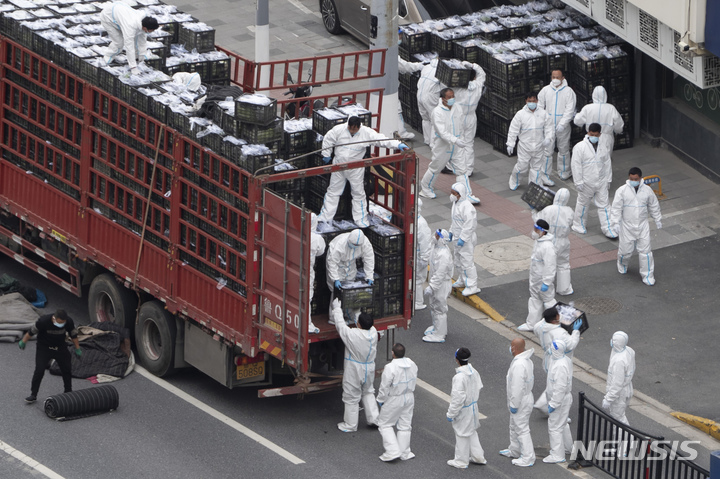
162, 36
219, 70
468, 50
256, 134
296, 142
388, 264
196, 36
625, 140
386, 239
415, 41
484, 132
389, 306
584, 86
326, 119
618, 86
390, 285
355, 294
514, 88
501, 124
538, 197
404, 53
588, 67
356, 109
499, 142
452, 73
256, 109
171, 28
492, 32
484, 112
507, 66
442, 42
506, 107
569, 314
318, 184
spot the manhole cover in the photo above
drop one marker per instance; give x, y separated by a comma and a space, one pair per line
508, 251
598, 306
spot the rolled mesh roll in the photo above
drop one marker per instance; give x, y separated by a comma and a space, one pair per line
82, 403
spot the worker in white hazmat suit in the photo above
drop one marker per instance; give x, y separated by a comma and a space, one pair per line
632, 204
559, 100
128, 29
467, 99
339, 139
462, 228
548, 330
428, 92
424, 249
342, 255
191, 81
619, 388
604, 114
543, 267
396, 397
560, 218
317, 248
533, 129
463, 412
406, 68
559, 398
446, 147
519, 383
438, 290
359, 368
591, 174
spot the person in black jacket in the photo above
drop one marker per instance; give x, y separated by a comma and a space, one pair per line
51, 330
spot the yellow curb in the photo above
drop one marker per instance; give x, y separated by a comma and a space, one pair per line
477, 303
708, 426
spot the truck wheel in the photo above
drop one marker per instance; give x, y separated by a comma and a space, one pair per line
330, 17
110, 301
155, 338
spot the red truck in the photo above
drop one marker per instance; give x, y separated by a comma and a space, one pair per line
200, 258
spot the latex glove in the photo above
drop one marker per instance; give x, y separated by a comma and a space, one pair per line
577, 324
135, 71
428, 291
336, 304
513, 410
450, 419
371, 282
403, 147
327, 160
560, 128
510, 150
22, 344
78, 352
550, 409
544, 287
580, 186
461, 243
546, 143
606, 404
658, 224
337, 284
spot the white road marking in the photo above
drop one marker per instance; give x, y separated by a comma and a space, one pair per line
300, 6
689, 210
29, 461
219, 416
438, 393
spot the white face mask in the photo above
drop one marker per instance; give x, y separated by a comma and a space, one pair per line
535, 235
556, 82
453, 198
510, 349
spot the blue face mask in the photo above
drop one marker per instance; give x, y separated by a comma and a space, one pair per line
451, 101
58, 325
593, 139
532, 105
634, 184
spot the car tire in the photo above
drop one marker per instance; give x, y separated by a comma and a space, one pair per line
330, 16
155, 336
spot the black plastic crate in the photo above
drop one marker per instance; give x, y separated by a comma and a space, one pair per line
318, 184
538, 196
416, 42
558, 61
322, 125
571, 315
484, 132
255, 113
158, 110
388, 265
170, 27
454, 77
251, 163
508, 71
390, 285
588, 68
466, 52
514, 88
496, 36
619, 86
219, 70
624, 140
359, 111
506, 107
585, 86
386, 239
442, 46
618, 65
202, 41
484, 112
355, 297
501, 124
296, 142
257, 134
389, 306
499, 142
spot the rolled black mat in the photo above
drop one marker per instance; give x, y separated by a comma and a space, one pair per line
82, 403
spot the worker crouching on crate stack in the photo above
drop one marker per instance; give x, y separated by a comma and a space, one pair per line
592, 173
128, 29
533, 130
349, 141
342, 255
543, 267
559, 100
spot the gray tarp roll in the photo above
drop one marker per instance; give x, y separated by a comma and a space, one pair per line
82, 403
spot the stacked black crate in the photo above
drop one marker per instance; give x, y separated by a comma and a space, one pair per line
388, 244
413, 42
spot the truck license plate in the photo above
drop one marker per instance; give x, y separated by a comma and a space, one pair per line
251, 370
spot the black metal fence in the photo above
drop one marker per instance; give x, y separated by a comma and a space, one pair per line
627, 453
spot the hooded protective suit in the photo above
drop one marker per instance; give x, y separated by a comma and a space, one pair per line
619, 388
358, 373
531, 128
397, 398
123, 25
560, 105
559, 398
463, 411
464, 224
440, 284
191, 81
405, 68
519, 381
603, 113
342, 255
467, 99
629, 217
427, 97
338, 138
447, 128
317, 248
560, 218
592, 173
543, 267
424, 248
546, 334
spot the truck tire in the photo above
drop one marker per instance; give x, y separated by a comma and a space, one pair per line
110, 301
155, 335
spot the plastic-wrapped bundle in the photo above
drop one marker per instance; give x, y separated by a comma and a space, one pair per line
24, 4
301, 124
584, 33
69, 10
89, 40
426, 57
515, 45
43, 13
454, 21
255, 99
545, 27
197, 26
568, 23
20, 15
82, 403
555, 15
561, 37
255, 150
86, 8
539, 6
539, 41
